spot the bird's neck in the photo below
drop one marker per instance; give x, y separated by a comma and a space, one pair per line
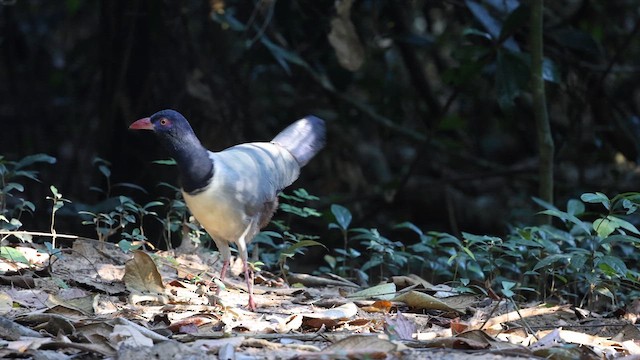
196, 168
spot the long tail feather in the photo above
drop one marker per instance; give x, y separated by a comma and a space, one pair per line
303, 139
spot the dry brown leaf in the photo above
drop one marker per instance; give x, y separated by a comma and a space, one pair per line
628, 332
25, 281
6, 303
361, 345
383, 306
290, 323
344, 38
212, 345
458, 326
418, 300
124, 335
82, 304
480, 336
196, 320
495, 322
322, 323
342, 312
580, 338
383, 292
31, 299
27, 343
141, 275
632, 347
399, 328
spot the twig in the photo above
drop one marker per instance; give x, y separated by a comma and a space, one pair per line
37, 233
524, 322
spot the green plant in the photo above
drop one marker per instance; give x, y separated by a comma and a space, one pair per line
290, 243
57, 202
594, 258
385, 255
117, 213
12, 173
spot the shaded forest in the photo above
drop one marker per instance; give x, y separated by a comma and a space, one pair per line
428, 103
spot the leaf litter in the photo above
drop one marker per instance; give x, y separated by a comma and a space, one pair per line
96, 301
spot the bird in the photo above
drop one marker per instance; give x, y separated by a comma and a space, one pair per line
233, 193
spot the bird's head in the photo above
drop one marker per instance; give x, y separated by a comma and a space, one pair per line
173, 131
169, 123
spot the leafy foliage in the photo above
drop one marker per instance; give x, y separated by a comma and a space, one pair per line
12, 174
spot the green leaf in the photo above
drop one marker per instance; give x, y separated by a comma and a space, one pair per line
621, 239
595, 198
551, 259
568, 217
12, 254
544, 204
165, 162
611, 265
291, 250
623, 224
304, 194
104, 170
13, 186
604, 227
578, 261
36, 158
342, 215
282, 55
506, 288
410, 226
575, 207
550, 71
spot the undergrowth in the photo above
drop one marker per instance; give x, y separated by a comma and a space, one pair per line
589, 254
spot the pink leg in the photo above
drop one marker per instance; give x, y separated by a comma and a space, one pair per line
223, 272
248, 275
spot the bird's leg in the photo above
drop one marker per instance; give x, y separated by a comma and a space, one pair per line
223, 271
225, 254
248, 234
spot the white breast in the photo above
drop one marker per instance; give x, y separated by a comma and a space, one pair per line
245, 178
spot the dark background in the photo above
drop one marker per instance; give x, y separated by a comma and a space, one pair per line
428, 107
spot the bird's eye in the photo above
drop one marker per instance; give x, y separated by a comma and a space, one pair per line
164, 122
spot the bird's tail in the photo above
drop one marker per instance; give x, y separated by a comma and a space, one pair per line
303, 139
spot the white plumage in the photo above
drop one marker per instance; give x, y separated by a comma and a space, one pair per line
233, 193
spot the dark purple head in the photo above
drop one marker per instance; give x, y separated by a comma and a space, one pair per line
166, 124
177, 136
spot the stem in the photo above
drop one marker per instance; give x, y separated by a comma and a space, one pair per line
545, 141
53, 221
344, 261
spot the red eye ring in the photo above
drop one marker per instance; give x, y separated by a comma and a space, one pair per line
164, 122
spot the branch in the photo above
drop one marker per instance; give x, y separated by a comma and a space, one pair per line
545, 141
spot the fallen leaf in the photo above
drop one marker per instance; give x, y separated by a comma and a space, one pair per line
420, 300
399, 328
141, 274
290, 323
196, 321
385, 291
361, 346
383, 306
330, 318
6, 303
124, 335
345, 311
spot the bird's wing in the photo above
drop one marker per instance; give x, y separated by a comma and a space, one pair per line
255, 172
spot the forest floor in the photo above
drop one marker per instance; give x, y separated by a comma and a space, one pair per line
92, 300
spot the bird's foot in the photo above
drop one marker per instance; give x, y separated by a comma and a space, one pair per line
252, 304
